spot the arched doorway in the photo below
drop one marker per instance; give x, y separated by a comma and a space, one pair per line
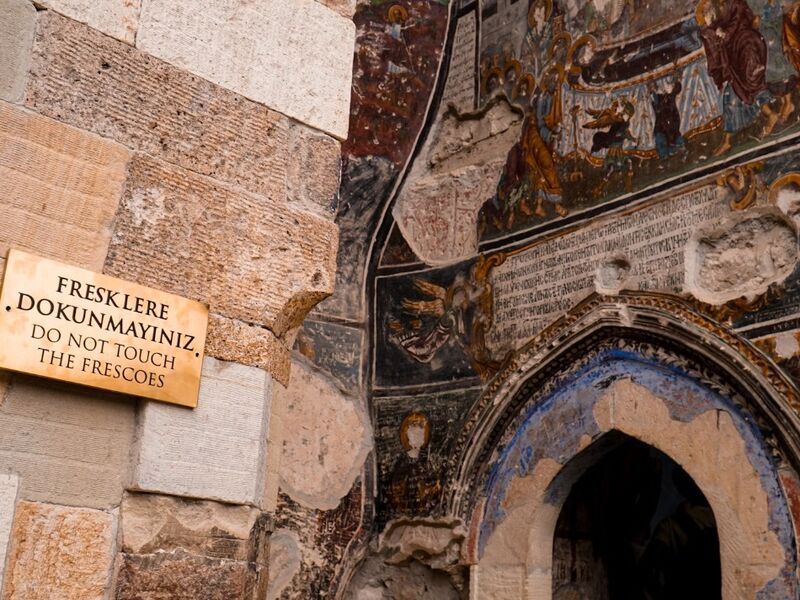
635, 526
651, 368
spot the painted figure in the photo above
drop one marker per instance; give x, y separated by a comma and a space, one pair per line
414, 485
667, 127
541, 166
736, 53
616, 120
530, 171
791, 35
461, 313
538, 38
781, 74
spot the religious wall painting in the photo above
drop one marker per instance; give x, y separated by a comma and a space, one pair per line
437, 321
396, 59
621, 96
414, 483
464, 321
334, 348
414, 435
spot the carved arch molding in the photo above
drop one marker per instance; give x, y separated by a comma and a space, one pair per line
652, 367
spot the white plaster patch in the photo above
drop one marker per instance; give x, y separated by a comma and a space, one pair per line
786, 345
117, 18
611, 275
9, 485
787, 199
216, 451
284, 561
326, 440
294, 56
437, 209
438, 214
742, 256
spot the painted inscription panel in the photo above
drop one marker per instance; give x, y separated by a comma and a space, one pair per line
462, 321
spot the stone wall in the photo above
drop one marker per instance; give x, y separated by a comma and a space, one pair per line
195, 148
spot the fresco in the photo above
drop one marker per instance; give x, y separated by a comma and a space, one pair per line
425, 335
601, 114
460, 322
621, 96
553, 426
397, 57
398, 48
335, 349
413, 438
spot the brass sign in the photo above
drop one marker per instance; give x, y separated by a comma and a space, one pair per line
71, 324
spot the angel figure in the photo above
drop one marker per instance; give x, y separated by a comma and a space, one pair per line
423, 344
615, 120
461, 313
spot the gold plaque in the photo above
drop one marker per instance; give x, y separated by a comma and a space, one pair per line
71, 324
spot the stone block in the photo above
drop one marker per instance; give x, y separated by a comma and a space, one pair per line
93, 82
117, 18
326, 439
294, 56
216, 451
182, 576
59, 553
346, 8
234, 341
59, 188
69, 445
8, 500
152, 523
16, 39
249, 257
313, 171
5, 380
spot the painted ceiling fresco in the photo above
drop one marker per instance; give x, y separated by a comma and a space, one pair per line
616, 98
622, 95
574, 147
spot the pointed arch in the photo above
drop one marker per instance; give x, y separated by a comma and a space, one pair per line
666, 328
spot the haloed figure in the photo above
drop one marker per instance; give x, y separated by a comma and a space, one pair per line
736, 53
781, 74
413, 483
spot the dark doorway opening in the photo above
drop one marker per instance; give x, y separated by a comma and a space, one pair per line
636, 527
